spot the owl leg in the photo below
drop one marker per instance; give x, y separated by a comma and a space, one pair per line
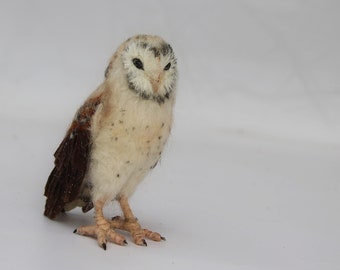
129, 223
102, 230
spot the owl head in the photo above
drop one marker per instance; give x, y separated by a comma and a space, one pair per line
149, 66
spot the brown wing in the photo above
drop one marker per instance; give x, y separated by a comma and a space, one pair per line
71, 161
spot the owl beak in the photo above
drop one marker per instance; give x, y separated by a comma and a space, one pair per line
155, 83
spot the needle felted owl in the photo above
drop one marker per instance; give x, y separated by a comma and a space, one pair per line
116, 138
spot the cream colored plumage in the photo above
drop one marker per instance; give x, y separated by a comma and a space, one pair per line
127, 121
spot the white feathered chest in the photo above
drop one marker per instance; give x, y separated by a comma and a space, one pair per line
129, 143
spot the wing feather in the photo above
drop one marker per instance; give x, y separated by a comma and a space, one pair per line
71, 161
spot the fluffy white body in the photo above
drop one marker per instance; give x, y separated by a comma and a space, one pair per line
127, 143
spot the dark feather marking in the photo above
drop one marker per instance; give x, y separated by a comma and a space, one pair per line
155, 51
166, 49
153, 166
87, 207
107, 70
71, 162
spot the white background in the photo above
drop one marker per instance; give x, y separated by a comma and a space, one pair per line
250, 178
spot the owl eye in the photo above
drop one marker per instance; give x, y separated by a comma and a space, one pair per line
138, 63
167, 67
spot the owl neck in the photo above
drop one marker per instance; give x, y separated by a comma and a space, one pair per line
160, 99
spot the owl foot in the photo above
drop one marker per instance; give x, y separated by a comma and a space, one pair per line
137, 232
102, 229
103, 232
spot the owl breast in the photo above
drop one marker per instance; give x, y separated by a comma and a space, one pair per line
129, 144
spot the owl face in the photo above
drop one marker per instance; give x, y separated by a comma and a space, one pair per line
151, 67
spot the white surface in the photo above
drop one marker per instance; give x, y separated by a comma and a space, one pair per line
250, 179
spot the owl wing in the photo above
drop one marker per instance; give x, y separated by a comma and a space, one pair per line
71, 161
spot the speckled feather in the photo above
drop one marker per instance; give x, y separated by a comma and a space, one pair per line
71, 162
